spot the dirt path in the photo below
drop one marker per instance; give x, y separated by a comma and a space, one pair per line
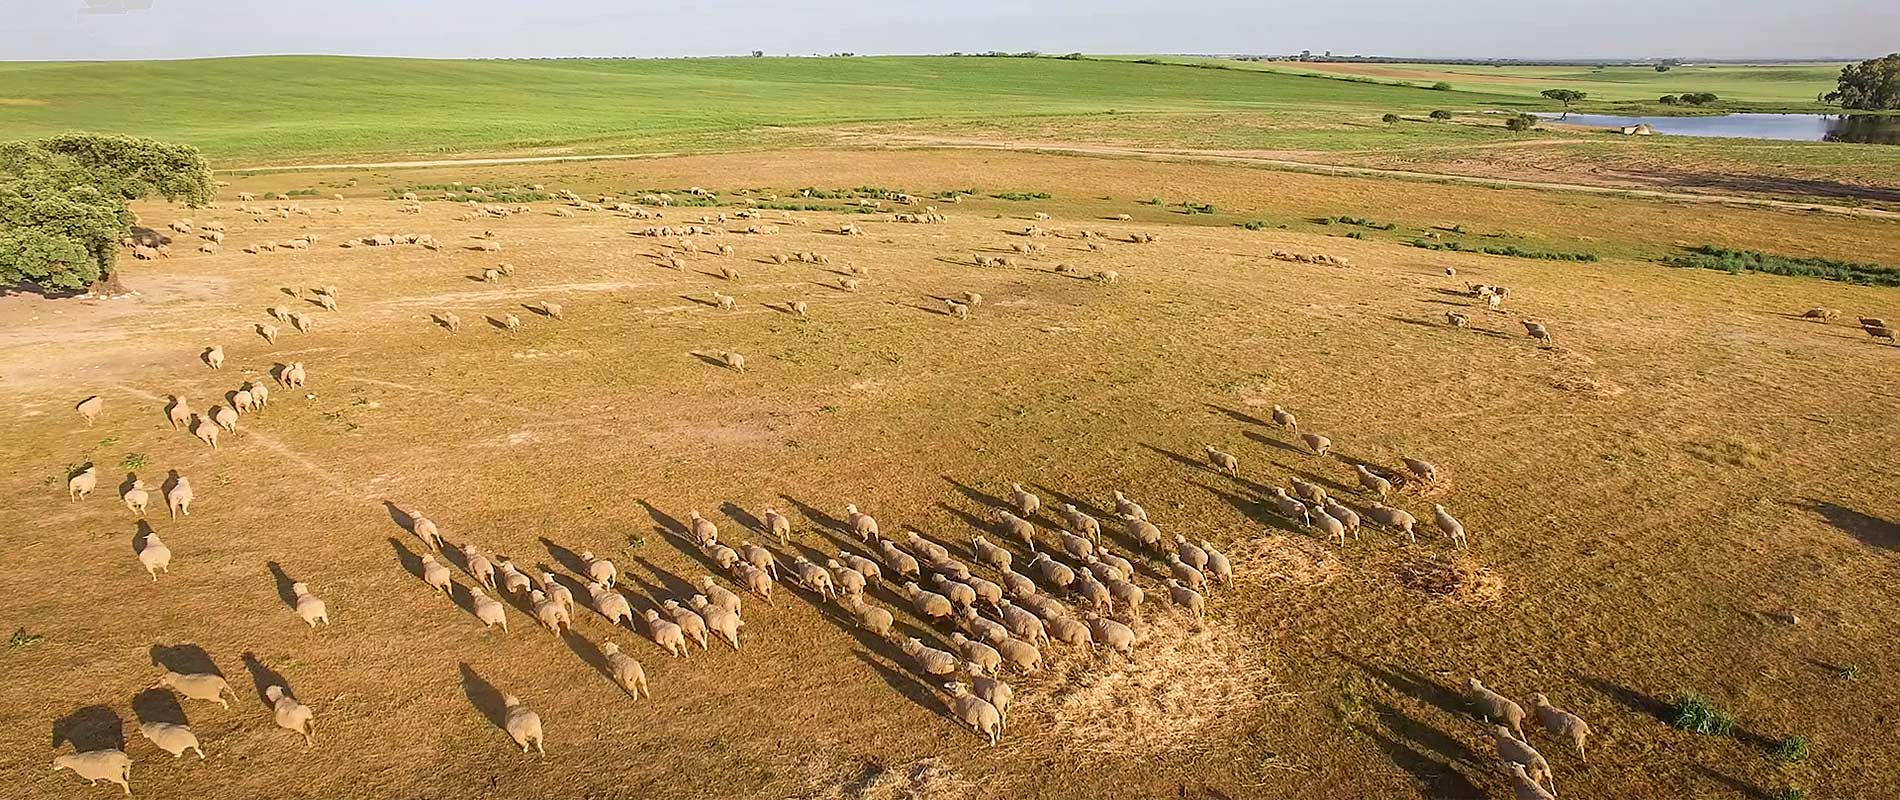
1217, 156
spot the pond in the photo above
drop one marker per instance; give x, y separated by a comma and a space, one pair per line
1862, 128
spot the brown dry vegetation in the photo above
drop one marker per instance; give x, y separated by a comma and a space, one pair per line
1647, 500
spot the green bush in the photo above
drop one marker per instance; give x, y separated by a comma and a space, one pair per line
1021, 196
1390, 119
1521, 122
1792, 750
1254, 225
1510, 250
1441, 86
1669, 99
1735, 262
1698, 714
1441, 114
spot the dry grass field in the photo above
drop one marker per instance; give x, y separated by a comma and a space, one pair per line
1690, 490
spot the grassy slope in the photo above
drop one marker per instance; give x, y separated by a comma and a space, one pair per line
315, 106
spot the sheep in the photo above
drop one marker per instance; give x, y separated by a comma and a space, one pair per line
815, 578
1396, 519
1018, 527
1186, 573
294, 376
717, 619
1022, 623
551, 310
1093, 592
1453, 529
1053, 571
692, 626
1329, 525
488, 610
523, 726
425, 529
974, 711
179, 497
931, 551
1318, 444
978, 654
304, 322
973, 298
292, 715
929, 605
1142, 531
205, 431
1424, 470
626, 672
479, 567
930, 660
1536, 330
109, 765
89, 408
1128, 509
983, 628
82, 484
1523, 786
436, 574
1457, 320
243, 401
224, 417
780, 526
844, 579
599, 570
988, 554
1225, 462
1017, 584
511, 322
1290, 508
136, 497
1078, 547
869, 617
1186, 597
1071, 631
759, 557
986, 591
1514, 750
725, 302
197, 686
172, 738
862, 524
720, 595
1822, 313
732, 360
798, 308
1560, 723
1308, 491
705, 533
1879, 332
1872, 322
549, 612
309, 607
1285, 419
179, 413
1081, 522
214, 356
1373, 482
864, 566
1116, 636
1494, 706
450, 321
1121, 565
1108, 276
609, 603
1189, 553
992, 690
960, 594
326, 301
557, 592
755, 580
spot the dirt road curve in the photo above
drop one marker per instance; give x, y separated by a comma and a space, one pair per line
1226, 156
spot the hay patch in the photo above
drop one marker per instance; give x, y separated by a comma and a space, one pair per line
1283, 561
1456, 579
927, 779
1586, 385
1187, 685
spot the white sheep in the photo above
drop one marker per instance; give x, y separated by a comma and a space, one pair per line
1523, 786
224, 417
309, 607
611, 604
1018, 527
983, 628
108, 765
718, 619
292, 715
1493, 706
599, 570
845, 579
755, 580
137, 497
1187, 598
436, 574
479, 567
89, 408
1373, 482
1078, 547
214, 356
557, 592
1536, 330
982, 656
179, 413
862, 524
864, 566
1396, 519
869, 617
704, 531
1453, 529
1143, 531
732, 360
974, 711
989, 554
82, 484
929, 660
961, 595
206, 431
1346, 516
1127, 508
1308, 491
759, 557
425, 529
172, 738
1328, 525
1285, 419
1425, 470
1560, 723
1022, 623
692, 626
1290, 508
625, 671
523, 726
1318, 444
197, 686
719, 595
1081, 522
1514, 750
779, 525
488, 610
1116, 636
815, 578
549, 612
449, 320
243, 401
927, 604
1071, 631
1225, 462
179, 497
551, 310
1189, 553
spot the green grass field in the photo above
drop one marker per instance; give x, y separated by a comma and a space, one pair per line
308, 107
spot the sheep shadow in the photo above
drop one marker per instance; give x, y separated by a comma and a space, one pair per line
1870, 530
411, 563
906, 684
1439, 778
1415, 686
141, 532
665, 524
978, 496
1080, 504
536, 309
440, 320
184, 659
157, 705
823, 520
497, 324
284, 584
588, 652
980, 524
711, 359
1261, 438
1238, 415
699, 300
487, 700
568, 559
263, 677
1648, 705
403, 517
745, 518
1734, 784
672, 586
930, 309
1254, 510
90, 728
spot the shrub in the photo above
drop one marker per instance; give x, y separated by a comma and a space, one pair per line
1254, 225
1669, 99
1021, 195
1510, 250
1521, 122
1390, 119
1197, 208
1699, 98
1698, 714
1441, 114
1735, 262
1662, 67
1792, 750
21, 638
133, 461
1791, 793
1441, 86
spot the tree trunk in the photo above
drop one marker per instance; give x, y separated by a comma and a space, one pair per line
109, 285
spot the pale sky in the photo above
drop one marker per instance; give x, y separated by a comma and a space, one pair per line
77, 29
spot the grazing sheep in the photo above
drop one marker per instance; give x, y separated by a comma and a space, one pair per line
798, 308
599, 570
479, 567
1290, 508
557, 592
861, 523
214, 356
982, 656
1397, 519
1078, 547
1108, 276
155, 556
719, 595
1143, 531
112, 766
1219, 569
1126, 596
724, 301
1193, 578
1018, 527
179, 413
436, 574
1329, 525
260, 393
225, 418
304, 322
1425, 470
1116, 636
755, 580
929, 660
450, 321
1537, 331
1121, 565
82, 484
1285, 419
309, 607
960, 594
1494, 706
717, 619
958, 310
1372, 482
869, 617
1523, 787
929, 605
89, 408
1071, 631
705, 533
1560, 723
197, 686
1879, 332
990, 555
732, 360
1453, 529
1187, 598
1308, 491
179, 497
551, 310
993, 690
136, 497
931, 551
983, 628
1080, 522
172, 738
523, 726
424, 529
1514, 750
1318, 444
973, 711
1822, 313
294, 376
511, 322
549, 612
1128, 509
845, 579
1189, 553
327, 301
626, 672
1053, 571
1457, 320
691, 624
488, 610
609, 603
1225, 462
1016, 584
292, 715
491, 275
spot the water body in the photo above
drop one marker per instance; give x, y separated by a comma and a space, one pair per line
1861, 128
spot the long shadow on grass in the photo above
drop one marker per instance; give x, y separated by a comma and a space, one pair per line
1240, 416
1870, 530
411, 563
820, 518
1252, 509
1272, 442
1415, 686
745, 518
1734, 784
484, 697
1439, 778
89, 728
158, 705
184, 659
905, 684
263, 677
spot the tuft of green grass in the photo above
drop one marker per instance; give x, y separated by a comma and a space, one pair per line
1792, 793
133, 461
1850, 672
1792, 750
1696, 713
21, 638
1736, 262
1255, 225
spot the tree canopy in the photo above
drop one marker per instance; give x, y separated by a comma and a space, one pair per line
63, 201
1873, 84
1565, 96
